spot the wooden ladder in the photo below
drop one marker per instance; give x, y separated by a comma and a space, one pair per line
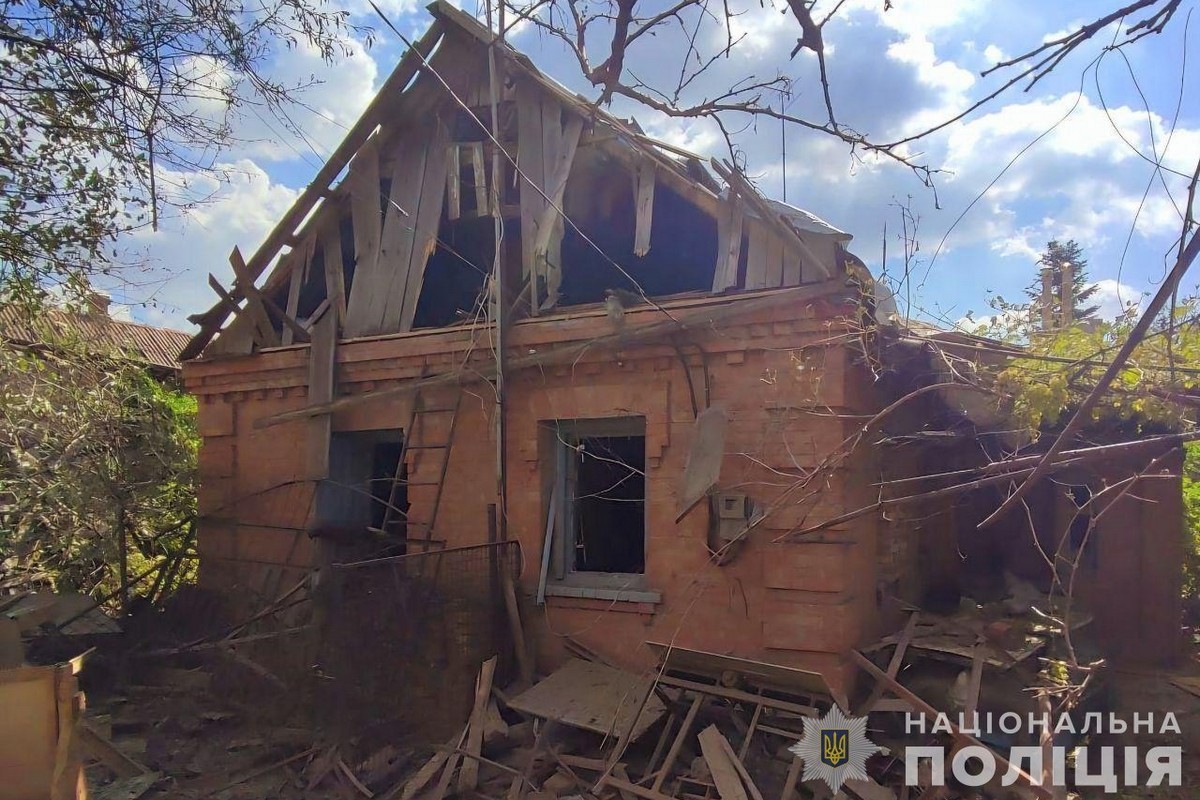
411, 442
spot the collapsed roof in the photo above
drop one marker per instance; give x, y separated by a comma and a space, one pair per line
587, 206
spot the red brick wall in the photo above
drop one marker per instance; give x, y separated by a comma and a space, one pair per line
786, 379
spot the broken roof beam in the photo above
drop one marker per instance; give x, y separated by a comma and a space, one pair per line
738, 184
251, 291
211, 320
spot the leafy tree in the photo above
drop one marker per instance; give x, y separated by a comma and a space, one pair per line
1155, 389
97, 464
1057, 255
1191, 512
99, 98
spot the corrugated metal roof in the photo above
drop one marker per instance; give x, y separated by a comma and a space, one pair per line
158, 347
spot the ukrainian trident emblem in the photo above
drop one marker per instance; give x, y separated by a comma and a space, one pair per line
835, 748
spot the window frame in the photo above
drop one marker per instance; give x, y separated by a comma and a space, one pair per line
562, 579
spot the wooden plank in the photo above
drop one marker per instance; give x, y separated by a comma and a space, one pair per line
738, 694
443, 784
265, 334
641, 791
469, 776
793, 775
729, 245
904, 693
428, 216
321, 361
255, 335
479, 175
102, 750
680, 737
453, 181
593, 697
297, 258
367, 220
797, 249
552, 131
548, 541
547, 248
756, 259
387, 274
738, 766
529, 160
644, 205
729, 783
430, 768
335, 274
750, 733
517, 629
792, 268
775, 251
893, 666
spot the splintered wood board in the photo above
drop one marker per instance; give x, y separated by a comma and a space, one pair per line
593, 697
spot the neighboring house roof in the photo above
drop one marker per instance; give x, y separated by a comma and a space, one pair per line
157, 347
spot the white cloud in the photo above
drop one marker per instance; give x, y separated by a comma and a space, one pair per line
1114, 298
994, 54
171, 276
331, 100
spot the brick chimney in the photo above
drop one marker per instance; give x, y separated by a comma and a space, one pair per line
96, 303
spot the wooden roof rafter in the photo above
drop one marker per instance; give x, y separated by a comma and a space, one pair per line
300, 218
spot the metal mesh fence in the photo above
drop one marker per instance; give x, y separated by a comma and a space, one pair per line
402, 640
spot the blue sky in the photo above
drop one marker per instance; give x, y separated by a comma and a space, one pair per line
892, 72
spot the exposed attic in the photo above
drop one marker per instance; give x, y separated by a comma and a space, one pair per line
586, 204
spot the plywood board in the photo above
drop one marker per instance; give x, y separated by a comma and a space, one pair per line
28, 732
705, 455
756, 673
593, 697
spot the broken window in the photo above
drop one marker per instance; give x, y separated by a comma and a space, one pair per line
599, 499
361, 505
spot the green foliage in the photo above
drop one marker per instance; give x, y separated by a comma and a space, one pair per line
1191, 514
99, 99
1060, 367
92, 449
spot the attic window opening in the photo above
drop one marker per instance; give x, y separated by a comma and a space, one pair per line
600, 202
600, 467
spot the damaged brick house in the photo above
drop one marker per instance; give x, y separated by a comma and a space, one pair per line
679, 354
